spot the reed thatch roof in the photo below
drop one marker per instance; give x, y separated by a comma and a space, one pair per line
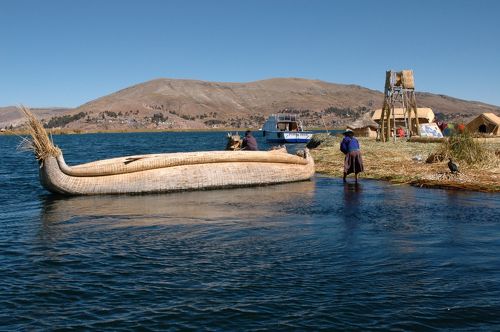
363, 123
490, 121
422, 112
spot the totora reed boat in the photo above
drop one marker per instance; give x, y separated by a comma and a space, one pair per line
163, 172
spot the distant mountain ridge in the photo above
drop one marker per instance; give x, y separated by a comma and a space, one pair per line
193, 104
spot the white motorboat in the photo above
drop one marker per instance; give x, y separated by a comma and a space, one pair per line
285, 128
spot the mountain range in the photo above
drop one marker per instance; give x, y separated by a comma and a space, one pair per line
193, 104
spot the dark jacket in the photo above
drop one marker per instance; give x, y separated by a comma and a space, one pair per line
249, 143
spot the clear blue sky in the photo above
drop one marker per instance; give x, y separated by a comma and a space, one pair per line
65, 53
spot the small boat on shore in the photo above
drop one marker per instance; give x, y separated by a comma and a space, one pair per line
165, 172
285, 128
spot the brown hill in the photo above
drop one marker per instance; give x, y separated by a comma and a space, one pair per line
453, 108
192, 104
199, 104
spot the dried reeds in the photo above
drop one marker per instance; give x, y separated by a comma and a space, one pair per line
40, 143
464, 148
320, 139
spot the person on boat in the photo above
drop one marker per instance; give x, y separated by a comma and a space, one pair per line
353, 163
249, 142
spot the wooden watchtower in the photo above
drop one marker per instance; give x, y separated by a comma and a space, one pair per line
400, 92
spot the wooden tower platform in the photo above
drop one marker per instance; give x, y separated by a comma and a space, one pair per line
399, 92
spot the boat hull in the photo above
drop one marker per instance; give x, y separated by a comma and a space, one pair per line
202, 172
288, 137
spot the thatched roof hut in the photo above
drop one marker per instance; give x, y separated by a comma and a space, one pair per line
425, 115
485, 123
364, 127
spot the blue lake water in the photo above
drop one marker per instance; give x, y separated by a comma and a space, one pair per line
316, 255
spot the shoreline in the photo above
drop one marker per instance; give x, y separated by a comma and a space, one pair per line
405, 163
62, 131
117, 131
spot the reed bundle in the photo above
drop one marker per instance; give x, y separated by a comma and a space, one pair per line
464, 148
40, 143
319, 139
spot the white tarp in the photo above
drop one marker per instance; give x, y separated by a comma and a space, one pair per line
430, 130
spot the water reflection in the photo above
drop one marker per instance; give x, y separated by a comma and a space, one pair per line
352, 200
181, 207
351, 211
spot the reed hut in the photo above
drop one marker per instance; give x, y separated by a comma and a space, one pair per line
364, 127
424, 114
485, 123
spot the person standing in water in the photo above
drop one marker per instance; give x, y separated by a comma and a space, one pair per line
353, 163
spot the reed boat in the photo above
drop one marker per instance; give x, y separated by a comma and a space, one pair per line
166, 172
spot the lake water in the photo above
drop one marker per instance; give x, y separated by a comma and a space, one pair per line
316, 255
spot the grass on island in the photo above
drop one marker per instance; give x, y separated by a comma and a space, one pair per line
405, 162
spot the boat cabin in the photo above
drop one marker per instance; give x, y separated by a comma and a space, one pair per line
283, 122
285, 128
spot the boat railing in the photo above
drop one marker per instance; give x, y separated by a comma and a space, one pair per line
286, 117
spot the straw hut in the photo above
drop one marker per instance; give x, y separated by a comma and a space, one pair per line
364, 127
425, 115
485, 123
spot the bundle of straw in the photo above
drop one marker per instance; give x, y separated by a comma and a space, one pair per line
463, 147
40, 143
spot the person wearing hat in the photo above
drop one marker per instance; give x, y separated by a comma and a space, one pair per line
353, 163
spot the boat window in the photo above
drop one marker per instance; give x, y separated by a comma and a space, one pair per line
283, 126
287, 117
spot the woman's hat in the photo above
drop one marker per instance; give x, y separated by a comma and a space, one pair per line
348, 131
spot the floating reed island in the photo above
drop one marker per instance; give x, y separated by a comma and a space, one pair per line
423, 164
163, 172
